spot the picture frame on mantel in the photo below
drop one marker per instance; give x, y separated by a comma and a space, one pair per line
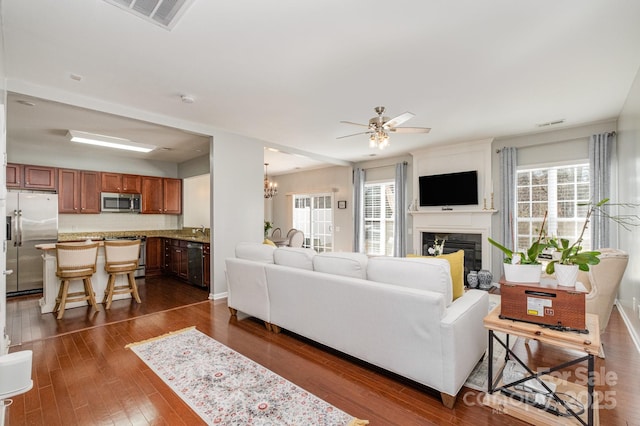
342, 204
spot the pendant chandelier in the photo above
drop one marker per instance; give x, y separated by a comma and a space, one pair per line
270, 188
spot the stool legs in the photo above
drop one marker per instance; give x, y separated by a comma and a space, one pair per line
64, 296
112, 289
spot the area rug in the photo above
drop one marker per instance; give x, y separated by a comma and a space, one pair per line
478, 379
226, 388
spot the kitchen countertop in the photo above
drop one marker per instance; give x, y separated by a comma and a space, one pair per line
178, 234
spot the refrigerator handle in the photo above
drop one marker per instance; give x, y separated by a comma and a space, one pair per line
9, 228
19, 227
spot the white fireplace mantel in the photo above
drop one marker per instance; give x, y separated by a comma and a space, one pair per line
474, 221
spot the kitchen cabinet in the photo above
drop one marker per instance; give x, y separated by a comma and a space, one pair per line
14, 173
178, 259
161, 195
154, 261
206, 265
31, 177
78, 191
121, 183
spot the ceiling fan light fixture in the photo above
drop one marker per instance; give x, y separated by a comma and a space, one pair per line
108, 141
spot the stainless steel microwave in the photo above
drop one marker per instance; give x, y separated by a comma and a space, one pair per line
120, 203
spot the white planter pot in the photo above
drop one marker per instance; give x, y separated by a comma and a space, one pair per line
522, 273
566, 274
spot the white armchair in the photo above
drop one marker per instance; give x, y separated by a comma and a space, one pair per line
602, 281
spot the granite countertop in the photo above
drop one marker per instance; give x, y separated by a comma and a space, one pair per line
178, 234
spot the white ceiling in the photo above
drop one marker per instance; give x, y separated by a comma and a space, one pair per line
287, 72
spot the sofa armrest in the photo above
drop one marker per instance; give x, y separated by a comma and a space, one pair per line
464, 337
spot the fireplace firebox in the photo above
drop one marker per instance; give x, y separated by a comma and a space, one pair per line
470, 243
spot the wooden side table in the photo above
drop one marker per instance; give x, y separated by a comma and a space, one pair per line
504, 398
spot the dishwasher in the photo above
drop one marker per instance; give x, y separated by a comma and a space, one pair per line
194, 259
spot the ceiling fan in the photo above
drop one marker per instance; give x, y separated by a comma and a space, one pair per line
379, 128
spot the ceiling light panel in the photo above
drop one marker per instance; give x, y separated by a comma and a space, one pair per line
164, 13
108, 141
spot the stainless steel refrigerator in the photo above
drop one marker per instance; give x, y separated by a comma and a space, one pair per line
32, 218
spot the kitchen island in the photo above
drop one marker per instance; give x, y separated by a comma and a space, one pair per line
51, 283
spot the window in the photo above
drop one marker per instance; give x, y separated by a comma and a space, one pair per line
379, 218
313, 215
559, 191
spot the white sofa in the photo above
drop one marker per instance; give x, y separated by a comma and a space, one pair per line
394, 313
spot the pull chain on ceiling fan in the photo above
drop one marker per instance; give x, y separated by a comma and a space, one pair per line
379, 128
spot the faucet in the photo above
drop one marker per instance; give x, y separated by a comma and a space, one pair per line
202, 229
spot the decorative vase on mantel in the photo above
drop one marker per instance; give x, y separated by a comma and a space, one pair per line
522, 273
472, 279
485, 279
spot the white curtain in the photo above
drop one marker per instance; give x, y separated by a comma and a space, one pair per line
400, 226
508, 170
358, 210
600, 149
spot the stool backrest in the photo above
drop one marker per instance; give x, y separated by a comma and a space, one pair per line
73, 256
119, 252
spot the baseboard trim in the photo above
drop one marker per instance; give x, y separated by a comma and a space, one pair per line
627, 321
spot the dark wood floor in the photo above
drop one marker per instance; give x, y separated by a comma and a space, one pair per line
84, 376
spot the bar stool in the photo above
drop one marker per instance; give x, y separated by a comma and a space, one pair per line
121, 258
76, 261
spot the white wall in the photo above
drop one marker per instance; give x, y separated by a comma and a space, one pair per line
334, 180
4, 346
237, 199
196, 196
629, 191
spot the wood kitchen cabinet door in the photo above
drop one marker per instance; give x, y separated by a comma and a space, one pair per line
68, 191
161, 195
39, 177
152, 198
14, 173
155, 257
111, 182
131, 184
78, 191
172, 192
90, 192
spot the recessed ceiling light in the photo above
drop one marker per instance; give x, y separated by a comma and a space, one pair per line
187, 99
76, 77
108, 141
27, 103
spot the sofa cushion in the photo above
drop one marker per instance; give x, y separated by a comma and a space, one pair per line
295, 257
415, 272
255, 251
456, 263
342, 263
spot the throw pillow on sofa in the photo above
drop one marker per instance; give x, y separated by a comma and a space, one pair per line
456, 263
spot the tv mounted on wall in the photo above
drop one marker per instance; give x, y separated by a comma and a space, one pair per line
450, 189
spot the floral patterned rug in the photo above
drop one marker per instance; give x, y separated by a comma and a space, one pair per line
227, 388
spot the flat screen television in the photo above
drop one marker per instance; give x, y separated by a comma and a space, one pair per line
450, 189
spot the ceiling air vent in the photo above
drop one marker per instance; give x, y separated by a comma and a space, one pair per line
164, 13
551, 123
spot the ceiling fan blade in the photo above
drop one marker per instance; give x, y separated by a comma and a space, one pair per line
355, 124
354, 134
396, 121
410, 130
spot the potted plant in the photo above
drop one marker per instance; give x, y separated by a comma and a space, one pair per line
569, 258
524, 267
267, 225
